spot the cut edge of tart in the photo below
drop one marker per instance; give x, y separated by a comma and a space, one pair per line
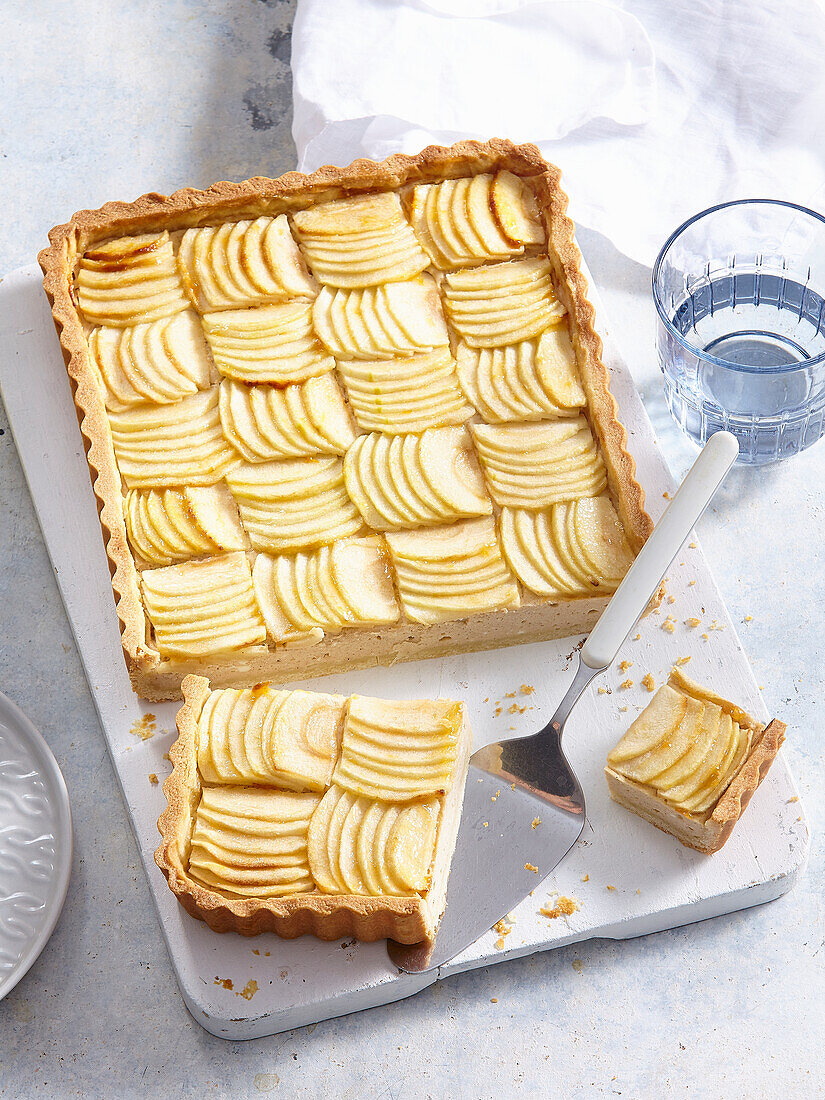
663, 746
329, 916
155, 676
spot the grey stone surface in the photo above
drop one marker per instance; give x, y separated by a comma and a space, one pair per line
110, 100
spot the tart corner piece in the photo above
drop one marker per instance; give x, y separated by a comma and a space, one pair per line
365, 852
691, 762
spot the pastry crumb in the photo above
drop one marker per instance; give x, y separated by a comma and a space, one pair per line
666, 496
493, 1001
636, 637
682, 660
144, 727
693, 621
564, 907
493, 797
669, 624
166, 756
531, 867
586, 878
577, 965
609, 887
706, 637
604, 691
623, 709
626, 684
749, 618
153, 779
671, 599
534, 824
509, 695
527, 689
649, 682
794, 799
249, 990
691, 584
692, 545
485, 824
625, 665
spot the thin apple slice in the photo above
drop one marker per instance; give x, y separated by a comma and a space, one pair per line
361, 573
449, 466
480, 215
516, 210
656, 723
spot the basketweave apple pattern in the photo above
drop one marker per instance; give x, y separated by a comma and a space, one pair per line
304, 792
363, 411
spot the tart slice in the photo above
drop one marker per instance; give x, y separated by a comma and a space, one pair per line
691, 762
296, 812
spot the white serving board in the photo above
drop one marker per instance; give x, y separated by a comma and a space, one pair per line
628, 878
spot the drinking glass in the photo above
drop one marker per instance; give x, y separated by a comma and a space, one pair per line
741, 326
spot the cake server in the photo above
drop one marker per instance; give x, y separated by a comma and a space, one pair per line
523, 806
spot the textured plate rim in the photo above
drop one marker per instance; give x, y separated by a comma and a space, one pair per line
14, 716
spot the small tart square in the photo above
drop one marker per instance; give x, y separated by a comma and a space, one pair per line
691, 761
294, 505
360, 241
502, 304
398, 751
203, 607
536, 465
359, 845
533, 380
130, 281
252, 843
466, 221
347, 584
397, 396
451, 572
160, 362
165, 445
268, 738
243, 263
274, 343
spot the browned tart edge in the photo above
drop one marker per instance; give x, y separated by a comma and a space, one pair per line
329, 917
260, 195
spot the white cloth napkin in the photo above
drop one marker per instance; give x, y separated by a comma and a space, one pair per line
653, 110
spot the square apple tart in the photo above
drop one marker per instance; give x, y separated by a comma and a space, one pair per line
691, 761
299, 812
345, 419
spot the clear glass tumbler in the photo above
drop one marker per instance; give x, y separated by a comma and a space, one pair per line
741, 329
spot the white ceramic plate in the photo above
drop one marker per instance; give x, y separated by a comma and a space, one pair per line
35, 844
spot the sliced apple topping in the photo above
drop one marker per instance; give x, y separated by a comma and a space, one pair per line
266, 422
381, 322
360, 241
172, 525
405, 395
168, 445
346, 584
294, 505
274, 343
571, 549
536, 465
526, 381
266, 737
161, 362
413, 480
243, 264
201, 608
130, 281
687, 745
502, 303
451, 572
470, 220
252, 843
359, 845
398, 751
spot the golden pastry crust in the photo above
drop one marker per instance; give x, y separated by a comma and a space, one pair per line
156, 678
708, 831
329, 917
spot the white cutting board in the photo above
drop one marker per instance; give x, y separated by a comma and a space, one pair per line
626, 877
